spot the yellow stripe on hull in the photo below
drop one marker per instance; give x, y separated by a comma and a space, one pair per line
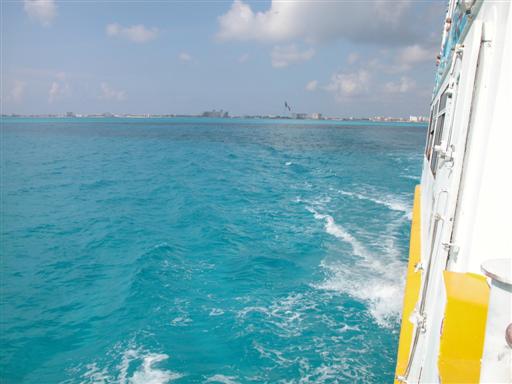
412, 288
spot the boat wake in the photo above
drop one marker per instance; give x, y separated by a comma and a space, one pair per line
371, 277
338, 231
389, 201
381, 294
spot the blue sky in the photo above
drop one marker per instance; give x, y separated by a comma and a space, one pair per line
341, 58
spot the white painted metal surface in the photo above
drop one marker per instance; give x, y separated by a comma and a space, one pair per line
497, 356
467, 194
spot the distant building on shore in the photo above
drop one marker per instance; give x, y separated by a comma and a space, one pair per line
418, 119
410, 119
315, 116
299, 116
215, 113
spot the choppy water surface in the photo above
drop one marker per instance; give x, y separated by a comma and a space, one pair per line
203, 251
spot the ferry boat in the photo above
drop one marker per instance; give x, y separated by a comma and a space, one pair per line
457, 317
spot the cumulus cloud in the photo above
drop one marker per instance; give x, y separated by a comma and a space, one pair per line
312, 85
59, 88
415, 54
382, 21
17, 91
403, 85
349, 84
43, 11
404, 59
184, 56
290, 54
136, 33
109, 93
374, 79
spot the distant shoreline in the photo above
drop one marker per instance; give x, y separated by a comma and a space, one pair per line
325, 120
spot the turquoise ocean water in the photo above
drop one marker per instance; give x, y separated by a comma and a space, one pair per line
203, 250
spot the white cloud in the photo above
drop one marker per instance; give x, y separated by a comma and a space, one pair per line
345, 85
374, 79
284, 56
405, 59
403, 85
136, 33
109, 93
184, 56
43, 11
17, 91
415, 54
381, 21
312, 85
58, 88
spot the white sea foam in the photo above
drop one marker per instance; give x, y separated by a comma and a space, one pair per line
380, 291
288, 163
373, 279
218, 378
336, 230
319, 202
181, 321
412, 177
136, 366
388, 241
320, 375
146, 372
286, 315
96, 375
272, 354
390, 201
216, 312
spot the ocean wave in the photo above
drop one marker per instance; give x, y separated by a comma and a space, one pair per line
321, 374
373, 278
392, 202
336, 230
181, 321
340, 369
412, 177
137, 366
218, 378
216, 312
272, 354
381, 293
96, 375
146, 372
285, 315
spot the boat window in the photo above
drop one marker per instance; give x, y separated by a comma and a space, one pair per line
430, 131
430, 135
437, 141
436, 128
444, 99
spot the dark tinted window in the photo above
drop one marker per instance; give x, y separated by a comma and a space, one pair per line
430, 131
437, 141
444, 98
